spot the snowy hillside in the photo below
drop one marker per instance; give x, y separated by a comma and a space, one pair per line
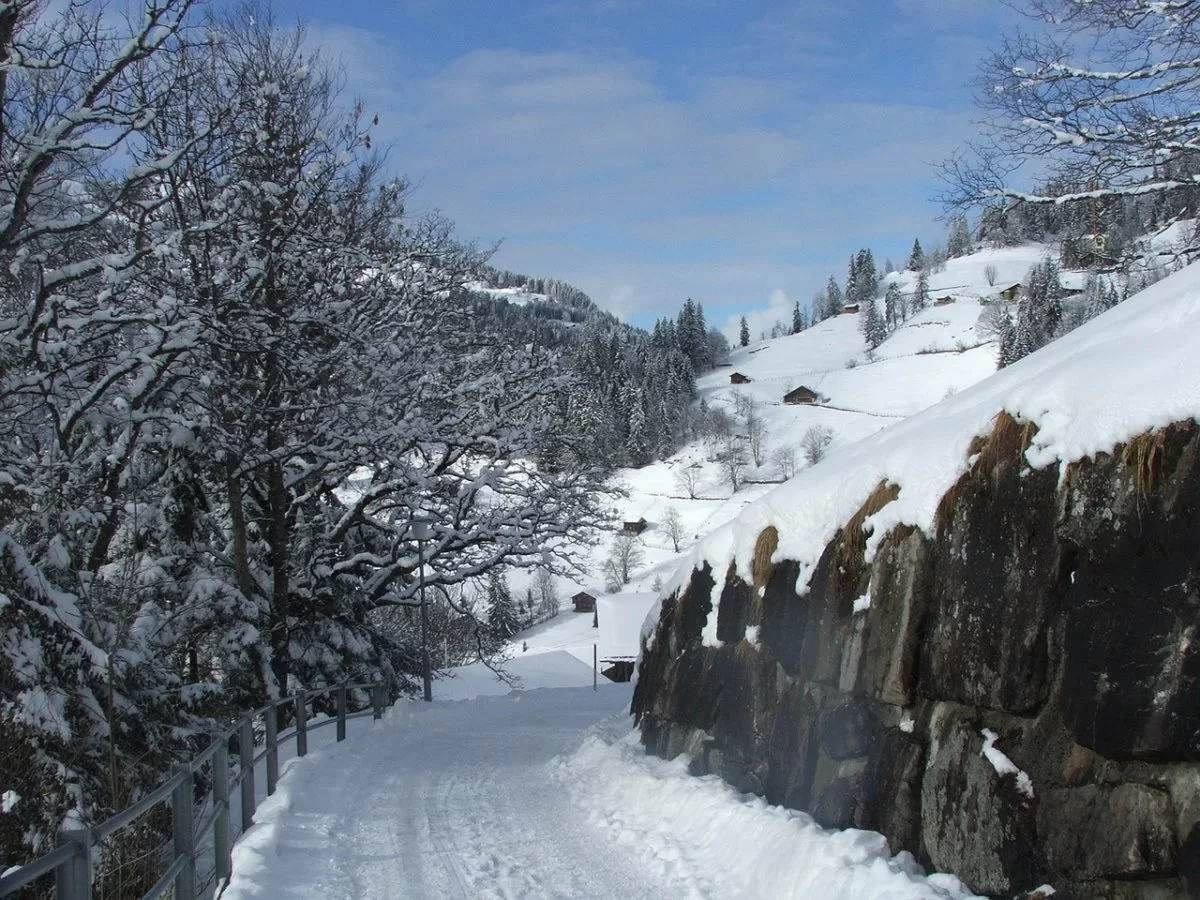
934, 354
1128, 371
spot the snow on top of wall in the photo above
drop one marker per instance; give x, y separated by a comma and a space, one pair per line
1130, 370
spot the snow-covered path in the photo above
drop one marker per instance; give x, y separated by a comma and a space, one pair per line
445, 801
542, 793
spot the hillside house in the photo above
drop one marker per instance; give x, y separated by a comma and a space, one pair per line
619, 668
1010, 293
850, 308
584, 602
634, 527
739, 378
800, 395
943, 301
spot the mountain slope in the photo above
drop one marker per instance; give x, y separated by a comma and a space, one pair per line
974, 631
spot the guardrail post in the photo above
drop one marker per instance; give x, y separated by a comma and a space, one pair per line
246, 769
341, 713
301, 724
222, 848
73, 879
377, 700
182, 826
272, 723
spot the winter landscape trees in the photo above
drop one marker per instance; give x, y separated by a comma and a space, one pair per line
232, 372
1105, 93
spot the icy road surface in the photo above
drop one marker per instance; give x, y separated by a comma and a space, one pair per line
445, 801
541, 794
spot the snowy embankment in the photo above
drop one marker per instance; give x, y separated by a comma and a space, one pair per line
725, 844
1132, 370
539, 793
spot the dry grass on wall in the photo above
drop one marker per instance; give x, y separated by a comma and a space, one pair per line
852, 553
1005, 444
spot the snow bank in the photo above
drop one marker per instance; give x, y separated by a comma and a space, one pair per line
1130, 370
728, 844
527, 671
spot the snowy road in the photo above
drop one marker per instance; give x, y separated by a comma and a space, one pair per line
449, 801
543, 793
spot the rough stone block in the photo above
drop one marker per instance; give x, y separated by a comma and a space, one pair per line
891, 643
975, 822
996, 582
1102, 831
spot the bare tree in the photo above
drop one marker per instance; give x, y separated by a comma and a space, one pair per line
1105, 93
989, 272
785, 459
624, 555
687, 480
756, 432
815, 443
673, 526
733, 460
547, 596
741, 403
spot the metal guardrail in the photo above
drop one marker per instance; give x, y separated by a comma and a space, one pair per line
71, 860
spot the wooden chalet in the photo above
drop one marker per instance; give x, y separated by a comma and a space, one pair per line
1010, 293
943, 301
800, 395
619, 669
739, 378
634, 527
584, 602
850, 308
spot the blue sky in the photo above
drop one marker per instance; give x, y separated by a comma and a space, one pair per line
652, 150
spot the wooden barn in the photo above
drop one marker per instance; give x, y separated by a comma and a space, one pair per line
1010, 293
850, 308
619, 668
943, 301
739, 378
584, 602
800, 395
634, 527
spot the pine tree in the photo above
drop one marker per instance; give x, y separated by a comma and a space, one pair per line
638, 442
834, 303
871, 324
892, 305
958, 240
865, 276
916, 259
920, 298
502, 615
797, 319
1008, 341
744, 333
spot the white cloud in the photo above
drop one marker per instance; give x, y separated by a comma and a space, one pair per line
644, 189
761, 320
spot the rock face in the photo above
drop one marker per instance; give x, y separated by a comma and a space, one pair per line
1019, 703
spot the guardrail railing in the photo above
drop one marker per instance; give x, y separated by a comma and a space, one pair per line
71, 860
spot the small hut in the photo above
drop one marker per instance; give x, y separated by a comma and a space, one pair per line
584, 602
850, 308
634, 527
1010, 293
619, 669
739, 378
943, 301
800, 395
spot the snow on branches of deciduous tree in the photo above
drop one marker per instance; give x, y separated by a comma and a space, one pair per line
1104, 91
